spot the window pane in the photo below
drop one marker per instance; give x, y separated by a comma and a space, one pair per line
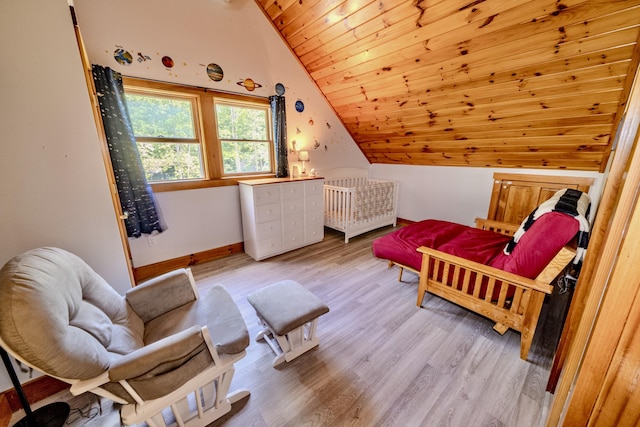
171, 162
239, 157
155, 116
236, 122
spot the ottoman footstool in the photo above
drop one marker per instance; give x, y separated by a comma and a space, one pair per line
289, 314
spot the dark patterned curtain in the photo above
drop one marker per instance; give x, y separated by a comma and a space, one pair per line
136, 196
279, 115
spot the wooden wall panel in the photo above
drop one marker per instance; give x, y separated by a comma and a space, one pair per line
511, 83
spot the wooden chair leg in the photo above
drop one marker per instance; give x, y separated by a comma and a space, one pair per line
391, 264
500, 328
530, 322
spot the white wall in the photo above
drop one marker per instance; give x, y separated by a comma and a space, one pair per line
53, 187
456, 194
238, 37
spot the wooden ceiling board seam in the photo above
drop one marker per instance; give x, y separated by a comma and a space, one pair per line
456, 24
264, 4
489, 145
319, 38
518, 67
507, 129
470, 88
277, 8
454, 52
323, 21
395, 19
301, 14
505, 159
479, 132
330, 23
560, 143
442, 159
527, 69
499, 97
578, 16
453, 118
457, 60
382, 46
479, 96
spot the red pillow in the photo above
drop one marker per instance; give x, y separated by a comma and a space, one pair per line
538, 245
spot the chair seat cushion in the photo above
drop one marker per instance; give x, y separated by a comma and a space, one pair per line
286, 305
215, 309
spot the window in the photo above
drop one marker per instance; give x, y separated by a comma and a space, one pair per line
166, 133
190, 137
243, 131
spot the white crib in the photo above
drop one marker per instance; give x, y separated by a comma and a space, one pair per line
355, 204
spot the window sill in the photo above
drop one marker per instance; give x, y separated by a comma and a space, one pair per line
161, 187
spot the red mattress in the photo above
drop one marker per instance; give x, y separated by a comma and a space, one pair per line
534, 251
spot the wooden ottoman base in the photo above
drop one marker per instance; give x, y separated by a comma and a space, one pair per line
289, 316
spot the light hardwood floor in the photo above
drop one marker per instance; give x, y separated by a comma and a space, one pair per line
382, 361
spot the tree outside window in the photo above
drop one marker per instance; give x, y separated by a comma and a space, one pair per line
165, 130
244, 133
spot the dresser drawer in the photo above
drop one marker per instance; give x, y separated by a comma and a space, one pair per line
266, 213
269, 246
314, 188
294, 238
314, 234
268, 230
314, 203
293, 222
266, 194
293, 207
314, 218
293, 191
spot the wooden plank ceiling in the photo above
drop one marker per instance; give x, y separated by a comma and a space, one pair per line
498, 83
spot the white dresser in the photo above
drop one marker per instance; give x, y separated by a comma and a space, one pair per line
281, 214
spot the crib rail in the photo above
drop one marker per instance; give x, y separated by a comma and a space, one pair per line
347, 181
355, 205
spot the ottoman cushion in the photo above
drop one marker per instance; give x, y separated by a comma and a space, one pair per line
286, 305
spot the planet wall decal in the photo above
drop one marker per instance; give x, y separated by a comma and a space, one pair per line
299, 106
167, 61
249, 84
215, 73
280, 89
122, 56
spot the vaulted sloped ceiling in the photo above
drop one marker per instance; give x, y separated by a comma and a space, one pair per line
499, 83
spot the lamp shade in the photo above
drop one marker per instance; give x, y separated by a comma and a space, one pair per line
303, 156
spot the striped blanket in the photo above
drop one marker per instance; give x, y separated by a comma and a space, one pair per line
568, 201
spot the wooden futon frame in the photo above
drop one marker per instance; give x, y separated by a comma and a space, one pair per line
519, 312
513, 197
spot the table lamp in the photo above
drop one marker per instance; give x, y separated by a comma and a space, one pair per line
303, 156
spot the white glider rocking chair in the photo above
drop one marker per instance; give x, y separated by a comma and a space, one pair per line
162, 351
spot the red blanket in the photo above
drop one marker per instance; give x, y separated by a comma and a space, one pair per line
535, 250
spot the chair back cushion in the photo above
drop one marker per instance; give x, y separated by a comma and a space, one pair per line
61, 317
